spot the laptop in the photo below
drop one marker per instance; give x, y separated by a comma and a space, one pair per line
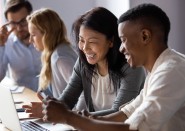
9, 116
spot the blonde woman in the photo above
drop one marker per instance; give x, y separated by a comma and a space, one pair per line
48, 34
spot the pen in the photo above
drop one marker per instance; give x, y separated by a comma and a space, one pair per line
18, 102
20, 110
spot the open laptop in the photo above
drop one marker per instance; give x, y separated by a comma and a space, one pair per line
9, 116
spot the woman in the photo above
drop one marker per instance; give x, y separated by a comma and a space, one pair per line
101, 71
48, 34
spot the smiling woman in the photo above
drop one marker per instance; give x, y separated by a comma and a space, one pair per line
101, 72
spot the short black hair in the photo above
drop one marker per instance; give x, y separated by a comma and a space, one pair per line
16, 5
149, 14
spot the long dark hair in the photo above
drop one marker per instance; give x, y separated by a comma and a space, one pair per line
101, 20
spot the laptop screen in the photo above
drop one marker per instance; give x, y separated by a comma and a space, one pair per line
9, 116
8, 113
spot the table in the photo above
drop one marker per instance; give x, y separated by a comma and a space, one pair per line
26, 96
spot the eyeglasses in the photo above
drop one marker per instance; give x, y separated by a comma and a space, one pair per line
21, 23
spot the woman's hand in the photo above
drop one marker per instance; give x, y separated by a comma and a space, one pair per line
34, 109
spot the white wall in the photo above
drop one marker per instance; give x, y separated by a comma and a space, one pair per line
2, 18
175, 11
115, 6
68, 10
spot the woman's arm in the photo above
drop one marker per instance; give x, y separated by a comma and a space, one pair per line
74, 88
62, 71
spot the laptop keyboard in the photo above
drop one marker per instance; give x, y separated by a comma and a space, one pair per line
32, 126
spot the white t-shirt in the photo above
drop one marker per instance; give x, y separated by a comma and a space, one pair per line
102, 92
161, 104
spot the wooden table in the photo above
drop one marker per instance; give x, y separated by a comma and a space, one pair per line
26, 96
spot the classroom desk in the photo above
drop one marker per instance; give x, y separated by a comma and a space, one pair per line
26, 96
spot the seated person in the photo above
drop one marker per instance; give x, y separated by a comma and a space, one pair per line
101, 71
58, 57
160, 106
17, 55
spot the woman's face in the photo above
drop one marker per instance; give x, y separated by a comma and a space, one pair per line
94, 45
35, 37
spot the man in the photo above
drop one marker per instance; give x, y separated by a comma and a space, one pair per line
160, 106
16, 53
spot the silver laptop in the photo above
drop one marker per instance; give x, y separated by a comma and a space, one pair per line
9, 116
8, 113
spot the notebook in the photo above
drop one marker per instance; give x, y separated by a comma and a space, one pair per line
10, 119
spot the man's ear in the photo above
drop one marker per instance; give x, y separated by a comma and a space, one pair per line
146, 35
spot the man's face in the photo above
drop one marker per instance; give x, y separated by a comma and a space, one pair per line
131, 46
18, 22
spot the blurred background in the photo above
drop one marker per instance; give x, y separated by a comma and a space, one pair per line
69, 10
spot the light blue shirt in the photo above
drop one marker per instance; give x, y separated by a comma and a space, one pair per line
62, 62
22, 61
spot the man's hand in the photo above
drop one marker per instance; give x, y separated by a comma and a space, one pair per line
4, 33
55, 111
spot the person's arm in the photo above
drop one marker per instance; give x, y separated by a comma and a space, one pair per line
63, 70
157, 103
65, 67
85, 124
4, 34
114, 117
3, 63
130, 87
81, 105
57, 112
74, 88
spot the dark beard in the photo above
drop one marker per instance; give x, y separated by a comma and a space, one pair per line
25, 39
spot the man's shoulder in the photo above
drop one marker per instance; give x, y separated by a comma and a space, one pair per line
171, 60
11, 39
171, 65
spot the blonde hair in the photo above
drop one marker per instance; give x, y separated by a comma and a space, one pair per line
54, 33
